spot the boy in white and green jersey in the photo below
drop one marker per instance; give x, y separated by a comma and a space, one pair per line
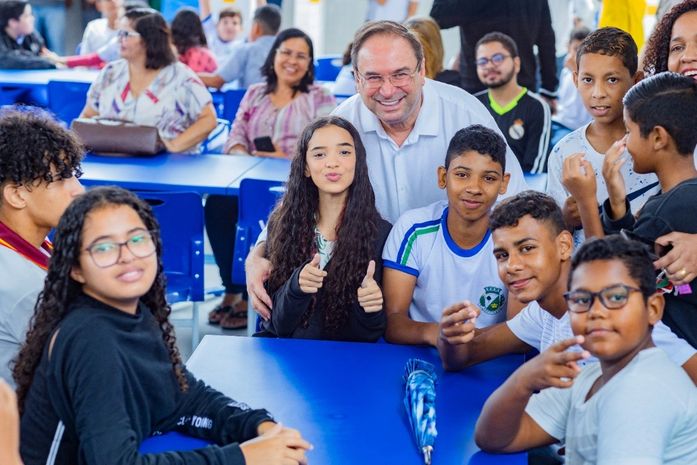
443, 253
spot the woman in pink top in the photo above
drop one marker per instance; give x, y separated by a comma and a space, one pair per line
279, 108
283, 105
190, 39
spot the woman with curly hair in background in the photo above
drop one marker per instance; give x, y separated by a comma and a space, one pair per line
325, 241
673, 43
100, 370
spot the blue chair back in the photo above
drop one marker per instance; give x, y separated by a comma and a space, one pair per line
67, 99
327, 68
257, 198
180, 215
231, 102
216, 139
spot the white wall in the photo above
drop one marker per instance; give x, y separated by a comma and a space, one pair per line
332, 23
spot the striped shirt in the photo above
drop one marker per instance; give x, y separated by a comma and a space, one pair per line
257, 116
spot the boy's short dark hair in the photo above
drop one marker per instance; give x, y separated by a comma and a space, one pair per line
269, 19
540, 206
579, 33
614, 42
229, 12
11, 9
504, 39
668, 100
479, 139
31, 143
633, 254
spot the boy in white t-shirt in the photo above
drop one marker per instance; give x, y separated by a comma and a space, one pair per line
222, 33
442, 253
606, 70
100, 31
533, 251
634, 407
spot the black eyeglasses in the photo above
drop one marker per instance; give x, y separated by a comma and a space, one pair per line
612, 297
107, 253
495, 59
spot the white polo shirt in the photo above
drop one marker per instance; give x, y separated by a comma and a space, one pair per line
405, 177
540, 329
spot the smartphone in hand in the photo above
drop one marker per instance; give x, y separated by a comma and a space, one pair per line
264, 144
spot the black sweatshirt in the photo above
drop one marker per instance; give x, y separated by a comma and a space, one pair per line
23, 55
109, 384
528, 22
290, 304
665, 212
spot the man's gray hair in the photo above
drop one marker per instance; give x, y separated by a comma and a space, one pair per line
387, 28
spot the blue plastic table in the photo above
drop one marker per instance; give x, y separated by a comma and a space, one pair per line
30, 85
346, 398
205, 174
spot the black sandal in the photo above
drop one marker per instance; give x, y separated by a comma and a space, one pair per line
216, 315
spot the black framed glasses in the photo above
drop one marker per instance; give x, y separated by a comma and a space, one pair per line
612, 297
108, 253
495, 59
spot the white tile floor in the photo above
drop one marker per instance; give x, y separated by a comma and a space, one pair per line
183, 310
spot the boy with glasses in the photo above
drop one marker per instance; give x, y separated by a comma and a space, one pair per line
523, 116
533, 249
39, 167
634, 406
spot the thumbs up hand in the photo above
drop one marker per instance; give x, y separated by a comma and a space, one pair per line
369, 294
311, 276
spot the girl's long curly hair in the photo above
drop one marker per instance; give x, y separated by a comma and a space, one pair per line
60, 290
291, 239
658, 46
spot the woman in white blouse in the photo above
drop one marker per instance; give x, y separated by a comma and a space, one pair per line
150, 87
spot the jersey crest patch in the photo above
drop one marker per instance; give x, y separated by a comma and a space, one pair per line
492, 300
517, 129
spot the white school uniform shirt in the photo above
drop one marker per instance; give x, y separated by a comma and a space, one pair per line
639, 186
420, 245
645, 415
540, 329
404, 178
97, 34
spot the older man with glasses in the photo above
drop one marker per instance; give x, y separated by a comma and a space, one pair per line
406, 122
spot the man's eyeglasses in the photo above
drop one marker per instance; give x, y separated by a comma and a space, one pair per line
285, 53
495, 59
398, 79
612, 297
124, 34
106, 253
